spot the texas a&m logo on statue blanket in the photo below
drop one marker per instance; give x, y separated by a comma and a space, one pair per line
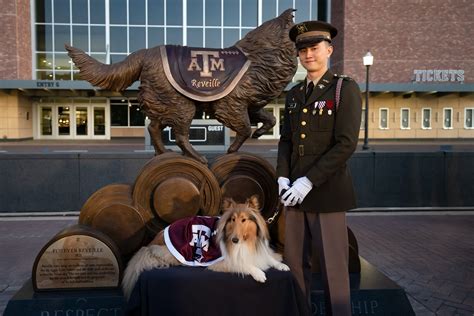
203, 74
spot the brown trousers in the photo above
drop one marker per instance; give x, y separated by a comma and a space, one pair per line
327, 234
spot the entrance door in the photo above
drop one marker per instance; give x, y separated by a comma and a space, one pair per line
75, 121
64, 118
82, 121
100, 122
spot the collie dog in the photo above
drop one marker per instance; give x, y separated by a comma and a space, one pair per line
241, 235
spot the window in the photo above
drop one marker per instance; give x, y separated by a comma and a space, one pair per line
137, 116
447, 118
468, 118
119, 112
106, 28
426, 118
126, 113
405, 118
383, 124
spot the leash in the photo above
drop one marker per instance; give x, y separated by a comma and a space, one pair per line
271, 219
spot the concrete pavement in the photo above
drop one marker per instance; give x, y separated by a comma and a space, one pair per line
431, 255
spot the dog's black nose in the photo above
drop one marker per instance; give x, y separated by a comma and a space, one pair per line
235, 240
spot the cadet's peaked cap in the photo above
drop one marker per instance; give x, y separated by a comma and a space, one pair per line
308, 33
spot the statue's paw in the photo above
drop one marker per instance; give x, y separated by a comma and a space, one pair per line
257, 133
157, 153
201, 159
232, 149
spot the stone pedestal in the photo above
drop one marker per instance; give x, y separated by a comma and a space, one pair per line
372, 293
27, 302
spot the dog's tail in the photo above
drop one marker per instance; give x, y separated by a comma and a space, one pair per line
114, 77
146, 258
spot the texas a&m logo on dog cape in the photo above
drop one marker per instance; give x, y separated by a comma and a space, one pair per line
192, 240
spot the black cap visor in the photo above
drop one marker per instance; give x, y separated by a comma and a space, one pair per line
310, 41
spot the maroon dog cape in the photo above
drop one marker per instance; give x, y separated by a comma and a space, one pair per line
203, 74
192, 240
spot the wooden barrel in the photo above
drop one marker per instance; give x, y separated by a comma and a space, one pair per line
111, 211
241, 175
171, 186
120, 193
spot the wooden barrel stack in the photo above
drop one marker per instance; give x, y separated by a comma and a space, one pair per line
111, 211
171, 186
241, 175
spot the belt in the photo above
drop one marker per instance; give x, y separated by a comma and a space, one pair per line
309, 150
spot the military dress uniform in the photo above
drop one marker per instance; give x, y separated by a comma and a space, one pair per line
317, 139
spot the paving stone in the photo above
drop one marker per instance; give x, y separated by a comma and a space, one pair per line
446, 311
458, 295
469, 300
419, 308
459, 306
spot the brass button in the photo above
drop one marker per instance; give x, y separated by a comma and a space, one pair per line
303, 136
305, 110
303, 123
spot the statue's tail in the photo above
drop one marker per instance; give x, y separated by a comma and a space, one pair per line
115, 77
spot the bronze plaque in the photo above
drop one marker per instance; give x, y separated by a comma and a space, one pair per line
73, 260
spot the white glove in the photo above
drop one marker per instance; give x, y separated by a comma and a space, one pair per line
297, 193
283, 184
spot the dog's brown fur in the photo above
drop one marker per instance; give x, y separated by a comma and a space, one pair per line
273, 64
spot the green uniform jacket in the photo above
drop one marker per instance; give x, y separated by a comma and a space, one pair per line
317, 140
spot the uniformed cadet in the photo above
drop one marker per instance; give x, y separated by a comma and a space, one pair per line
319, 134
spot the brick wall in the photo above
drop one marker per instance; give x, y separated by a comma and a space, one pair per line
15, 39
404, 36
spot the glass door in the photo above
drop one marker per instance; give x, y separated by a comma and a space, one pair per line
99, 121
46, 121
81, 119
63, 121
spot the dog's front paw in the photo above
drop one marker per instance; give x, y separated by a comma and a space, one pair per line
282, 267
258, 275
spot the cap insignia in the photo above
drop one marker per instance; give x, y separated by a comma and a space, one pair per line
302, 29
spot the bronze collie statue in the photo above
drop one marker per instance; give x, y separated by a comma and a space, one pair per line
271, 63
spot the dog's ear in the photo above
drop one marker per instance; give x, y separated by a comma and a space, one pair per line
262, 228
253, 202
228, 204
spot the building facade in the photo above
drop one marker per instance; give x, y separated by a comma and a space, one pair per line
421, 83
